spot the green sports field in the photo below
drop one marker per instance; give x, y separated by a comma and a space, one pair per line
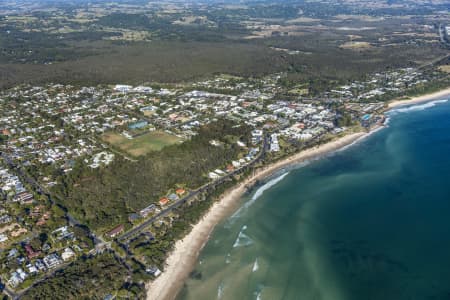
151, 141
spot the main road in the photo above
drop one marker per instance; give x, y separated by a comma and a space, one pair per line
139, 228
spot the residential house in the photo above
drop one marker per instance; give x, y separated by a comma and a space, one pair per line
116, 231
67, 254
163, 201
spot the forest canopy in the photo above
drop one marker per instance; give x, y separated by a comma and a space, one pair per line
102, 197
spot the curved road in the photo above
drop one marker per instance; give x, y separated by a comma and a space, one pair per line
138, 229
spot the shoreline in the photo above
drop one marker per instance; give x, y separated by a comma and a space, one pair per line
419, 99
183, 257
185, 253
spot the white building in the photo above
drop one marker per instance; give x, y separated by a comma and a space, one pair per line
213, 175
67, 254
122, 88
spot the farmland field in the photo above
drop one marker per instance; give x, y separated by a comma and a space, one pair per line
143, 144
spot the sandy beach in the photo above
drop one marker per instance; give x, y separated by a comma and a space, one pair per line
184, 256
424, 98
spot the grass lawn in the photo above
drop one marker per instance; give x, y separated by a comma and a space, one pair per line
355, 45
151, 141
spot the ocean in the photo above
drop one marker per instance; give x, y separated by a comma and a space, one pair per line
371, 221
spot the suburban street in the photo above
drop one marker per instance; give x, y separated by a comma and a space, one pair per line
41, 190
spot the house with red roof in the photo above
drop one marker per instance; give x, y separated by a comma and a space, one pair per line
163, 201
30, 251
180, 191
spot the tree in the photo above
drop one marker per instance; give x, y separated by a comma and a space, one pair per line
36, 244
43, 237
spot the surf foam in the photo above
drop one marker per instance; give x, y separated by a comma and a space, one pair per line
255, 266
418, 107
220, 290
259, 192
242, 239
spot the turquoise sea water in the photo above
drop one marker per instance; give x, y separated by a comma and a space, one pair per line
369, 222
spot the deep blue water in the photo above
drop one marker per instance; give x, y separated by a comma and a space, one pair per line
369, 222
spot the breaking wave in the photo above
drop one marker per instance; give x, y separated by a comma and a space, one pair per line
418, 107
255, 196
228, 259
255, 266
265, 187
220, 290
258, 296
258, 292
242, 240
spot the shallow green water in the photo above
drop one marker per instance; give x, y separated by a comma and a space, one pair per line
369, 222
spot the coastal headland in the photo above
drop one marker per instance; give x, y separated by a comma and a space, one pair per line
185, 253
